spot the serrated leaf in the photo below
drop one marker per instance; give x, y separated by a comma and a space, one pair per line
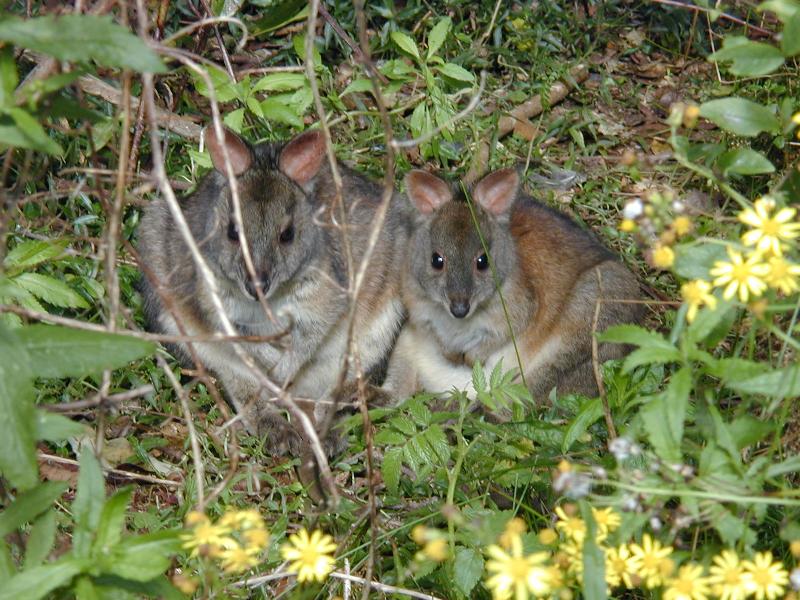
275, 111
65, 352
740, 116
233, 120
41, 539
779, 383
79, 37
17, 443
405, 43
29, 505
748, 58
478, 377
142, 557
418, 120
33, 252
388, 437
467, 569
51, 290
279, 82
457, 72
38, 582
664, 415
112, 521
88, 503
790, 38
744, 161
403, 424
638, 336
390, 469
438, 35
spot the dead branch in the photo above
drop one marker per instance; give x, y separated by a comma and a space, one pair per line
118, 472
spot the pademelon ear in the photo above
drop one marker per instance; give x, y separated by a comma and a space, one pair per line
497, 191
427, 192
239, 152
303, 156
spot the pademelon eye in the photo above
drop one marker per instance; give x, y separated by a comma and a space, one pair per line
233, 232
287, 235
437, 261
482, 262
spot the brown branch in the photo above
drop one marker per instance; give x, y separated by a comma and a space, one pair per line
97, 400
119, 472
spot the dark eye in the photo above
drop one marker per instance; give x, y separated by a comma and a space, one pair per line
437, 261
287, 235
482, 262
233, 232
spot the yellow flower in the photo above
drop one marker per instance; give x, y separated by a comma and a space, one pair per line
794, 545
607, 519
682, 225
257, 538
744, 276
514, 528
696, 294
621, 566
194, 517
768, 578
688, 585
663, 256
436, 550
782, 275
515, 574
309, 556
728, 577
205, 537
652, 559
796, 118
235, 559
627, 225
419, 534
547, 536
572, 527
768, 232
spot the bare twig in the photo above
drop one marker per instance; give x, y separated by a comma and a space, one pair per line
118, 472
80, 405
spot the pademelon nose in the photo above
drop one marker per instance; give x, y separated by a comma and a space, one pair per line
459, 308
263, 282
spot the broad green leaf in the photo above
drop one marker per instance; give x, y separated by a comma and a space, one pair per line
711, 326
664, 415
17, 415
64, 352
41, 539
88, 503
790, 465
390, 469
748, 58
275, 111
32, 91
38, 582
780, 383
141, 558
744, 161
594, 578
790, 38
33, 252
279, 14
233, 120
254, 106
638, 336
53, 427
419, 119
225, 89
112, 521
7, 566
78, 37
694, 261
589, 413
467, 569
732, 370
785, 9
30, 505
299, 44
30, 133
747, 430
405, 43
389, 437
359, 85
454, 71
438, 35
740, 116
51, 290
9, 78
279, 82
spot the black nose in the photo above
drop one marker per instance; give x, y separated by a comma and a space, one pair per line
459, 308
262, 282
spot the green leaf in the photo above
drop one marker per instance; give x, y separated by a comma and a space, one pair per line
30, 133
275, 111
467, 569
33, 252
438, 35
785, 9
53, 427
478, 377
225, 89
78, 37
50, 290
694, 260
41, 539
359, 85
35, 583
390, 469
9, 78
233, 120
65, 352
590, 412
790, 465
7, 566
740, 116
594, 565
748, 58
711, 326
88, 503
30, 505
780, 383
143, 557
664, 415
279, 14
299, 44
419, 119
280, 82
405, 43
454, 71
112, 521
790, 38
17, 442
744, 161
653, 348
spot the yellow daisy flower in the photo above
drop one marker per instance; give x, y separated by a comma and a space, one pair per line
744, 276
688, 585
607, 519
309, 555
514, 528
621, 567
572, 527
728, 577
205, 537
627, 225
682, 225
769, 578
782, 275
696, 294
768, 232
436, 550
663, 256
257, 538
516, 575
653, 560
235, 559
547, 536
